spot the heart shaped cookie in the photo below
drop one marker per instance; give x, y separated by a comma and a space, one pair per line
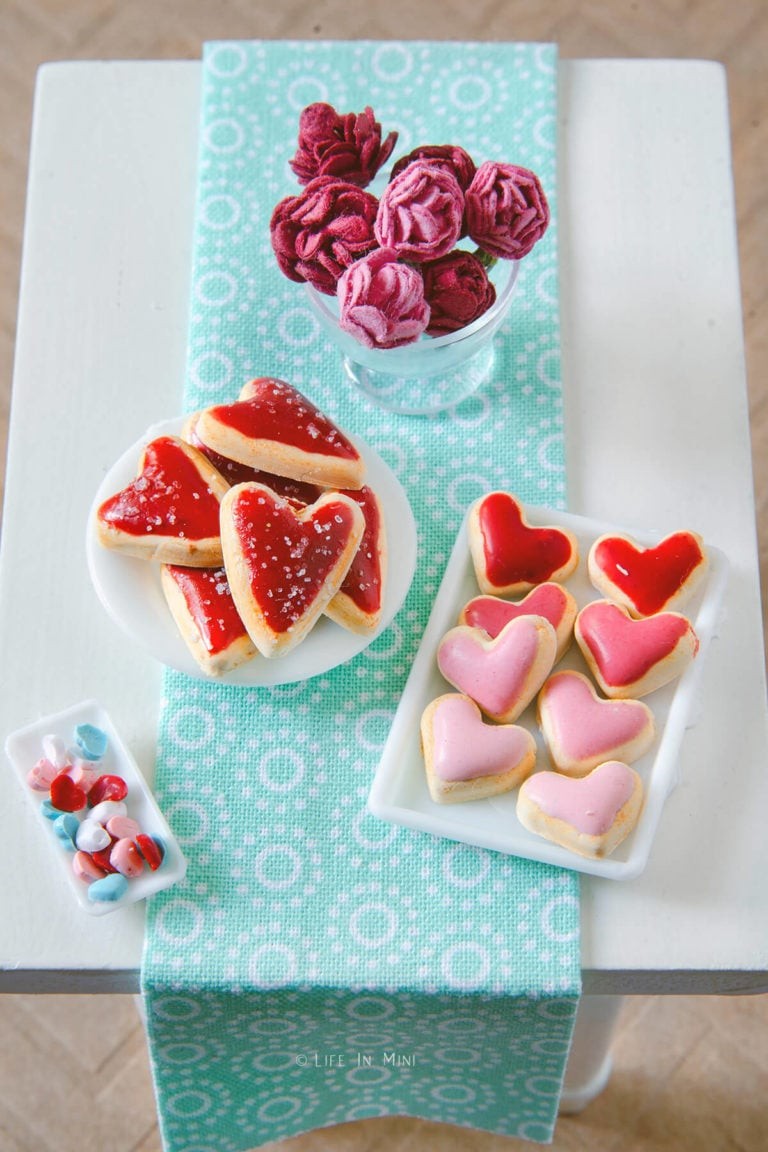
629, 657
273, 427
170, 512
648, 580
582, 730
590, 815
549, 600
236, 473
502, 675
511, 556
358, 603
284, 565
466, 759
202, 606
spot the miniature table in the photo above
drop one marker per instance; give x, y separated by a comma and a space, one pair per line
657, 437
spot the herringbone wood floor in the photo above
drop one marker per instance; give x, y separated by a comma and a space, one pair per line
690, 1073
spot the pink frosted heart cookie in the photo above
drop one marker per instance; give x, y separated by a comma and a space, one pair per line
628, 657
590, 815
273, 427
502, 675
582, 730
511, 556
549, 600
284, 565
648, 580
466, 759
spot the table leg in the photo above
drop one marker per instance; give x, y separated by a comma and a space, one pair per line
589, 1063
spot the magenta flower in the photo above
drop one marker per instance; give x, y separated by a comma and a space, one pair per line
457, 289
381, 302
320, 232
451, 157
420, 213
506, 211
348, 147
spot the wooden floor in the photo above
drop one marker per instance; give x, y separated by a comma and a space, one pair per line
690, 1073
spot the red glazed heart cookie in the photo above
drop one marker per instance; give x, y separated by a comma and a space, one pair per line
170, 512
502, 675
273, 427
284, 565
648, 580
236, 473
591, 815
466, 759
549, 600
511, 556
629, 657
202, 606
582, 730
358, 603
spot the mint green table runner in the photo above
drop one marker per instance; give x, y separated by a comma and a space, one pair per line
318, 965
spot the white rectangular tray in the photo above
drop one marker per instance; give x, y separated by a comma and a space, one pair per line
24, 748
399, 793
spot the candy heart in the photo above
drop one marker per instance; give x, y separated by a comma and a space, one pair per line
92, 836
582, 730
41, 775
504, 674
274, 427
466, 759
110, 889
549, 600
107, 787
170, 512
126, 859
511, 556
151, 849
285, 565
55, 750
648, 580
66, 826
91, 741
590, 815
66, 795
628, 657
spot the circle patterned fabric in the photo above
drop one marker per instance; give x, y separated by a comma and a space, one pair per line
319, 965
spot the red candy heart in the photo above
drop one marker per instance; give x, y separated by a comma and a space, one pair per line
107, 788
647, 580
65, 794
511, 556
150, 850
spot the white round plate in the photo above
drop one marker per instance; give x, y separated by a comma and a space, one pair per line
130, 589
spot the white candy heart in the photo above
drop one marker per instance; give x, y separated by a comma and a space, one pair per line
92, 836
104, 811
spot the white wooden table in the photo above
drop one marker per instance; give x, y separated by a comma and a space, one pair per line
657, 438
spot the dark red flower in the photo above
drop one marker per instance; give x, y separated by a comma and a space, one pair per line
506, 211
420, 212
449, 156
381, 302
320, 232
348, 147
457, 289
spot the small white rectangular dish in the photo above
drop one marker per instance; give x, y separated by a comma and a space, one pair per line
399, 793
24, 748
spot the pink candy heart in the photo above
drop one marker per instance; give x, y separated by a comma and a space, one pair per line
504, 674
41, 775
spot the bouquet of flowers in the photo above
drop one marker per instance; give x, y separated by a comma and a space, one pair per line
393, 261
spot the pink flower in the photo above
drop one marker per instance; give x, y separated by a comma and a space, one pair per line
320, 232
420, 213
506, 210
381, 302
448, 156
348, 147
457, 290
